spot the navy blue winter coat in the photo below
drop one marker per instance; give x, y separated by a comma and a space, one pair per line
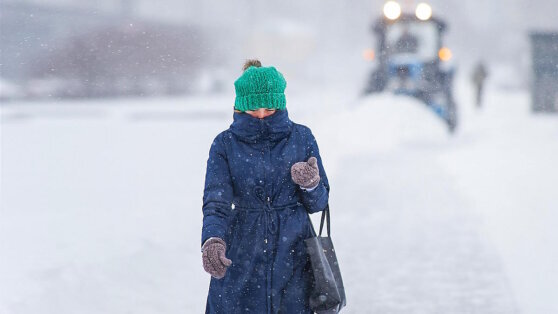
252, 203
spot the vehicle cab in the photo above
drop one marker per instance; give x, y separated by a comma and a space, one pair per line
411, 58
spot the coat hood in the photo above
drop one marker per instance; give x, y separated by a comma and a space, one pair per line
274, 127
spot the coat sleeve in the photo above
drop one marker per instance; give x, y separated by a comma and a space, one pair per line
218, 192
316, 199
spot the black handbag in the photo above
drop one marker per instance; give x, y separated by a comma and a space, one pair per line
327, 294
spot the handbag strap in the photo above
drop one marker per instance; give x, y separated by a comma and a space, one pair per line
325, 214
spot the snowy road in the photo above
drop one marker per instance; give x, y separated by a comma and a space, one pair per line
414, 247
100, 208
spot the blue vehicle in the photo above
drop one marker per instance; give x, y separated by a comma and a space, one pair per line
412, 60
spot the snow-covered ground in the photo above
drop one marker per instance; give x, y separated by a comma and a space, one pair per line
101, 203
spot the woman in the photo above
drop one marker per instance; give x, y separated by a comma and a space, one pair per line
264, 174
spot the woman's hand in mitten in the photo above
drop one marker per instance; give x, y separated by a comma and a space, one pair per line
306, 173
213, 256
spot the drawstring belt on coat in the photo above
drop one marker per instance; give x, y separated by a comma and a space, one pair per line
269, 212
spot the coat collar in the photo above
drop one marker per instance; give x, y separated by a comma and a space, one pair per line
273, 127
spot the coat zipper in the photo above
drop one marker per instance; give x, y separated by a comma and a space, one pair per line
269, 261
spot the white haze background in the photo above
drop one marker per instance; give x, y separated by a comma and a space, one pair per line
101, 198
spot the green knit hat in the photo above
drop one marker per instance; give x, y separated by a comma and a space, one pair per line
260, 87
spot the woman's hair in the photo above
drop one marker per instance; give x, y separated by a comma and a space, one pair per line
251, 63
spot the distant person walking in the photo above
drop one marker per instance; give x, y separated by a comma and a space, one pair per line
479, 76
264, 175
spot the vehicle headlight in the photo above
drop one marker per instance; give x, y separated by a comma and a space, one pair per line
368, 55
444, 54
392, 10
423, 11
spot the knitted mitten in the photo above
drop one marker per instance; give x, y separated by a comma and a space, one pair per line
306, 173
213, 257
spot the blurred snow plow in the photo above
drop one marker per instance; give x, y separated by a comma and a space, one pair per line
411, 59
